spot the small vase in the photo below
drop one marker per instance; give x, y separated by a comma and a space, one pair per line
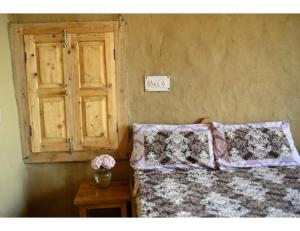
102, 178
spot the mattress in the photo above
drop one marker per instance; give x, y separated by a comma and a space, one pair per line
252, 192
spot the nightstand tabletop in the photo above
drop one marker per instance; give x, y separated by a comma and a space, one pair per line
89, 194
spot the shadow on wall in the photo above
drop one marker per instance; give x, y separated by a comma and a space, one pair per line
52, 196
55, 203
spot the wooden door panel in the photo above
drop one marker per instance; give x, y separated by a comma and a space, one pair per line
50, 65
52, 112
92, 64
95, 91
49, 105
94, 116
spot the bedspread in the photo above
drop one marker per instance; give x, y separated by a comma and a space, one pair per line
254, 192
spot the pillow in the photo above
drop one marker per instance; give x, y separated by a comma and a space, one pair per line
157, 146
254, 145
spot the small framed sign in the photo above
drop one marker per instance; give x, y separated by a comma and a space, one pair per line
157, 83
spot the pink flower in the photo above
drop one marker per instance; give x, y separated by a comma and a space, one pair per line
103, 161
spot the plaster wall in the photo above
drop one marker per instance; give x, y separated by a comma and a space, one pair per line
13, 176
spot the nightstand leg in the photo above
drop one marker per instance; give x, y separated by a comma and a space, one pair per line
82, 211
124, 210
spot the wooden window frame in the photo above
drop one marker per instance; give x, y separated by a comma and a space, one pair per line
16, 36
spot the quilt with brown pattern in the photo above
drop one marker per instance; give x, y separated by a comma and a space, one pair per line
254, 192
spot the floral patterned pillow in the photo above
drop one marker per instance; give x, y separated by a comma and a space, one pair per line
156, 146
254, 145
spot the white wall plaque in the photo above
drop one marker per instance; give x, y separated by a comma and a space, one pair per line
157, 83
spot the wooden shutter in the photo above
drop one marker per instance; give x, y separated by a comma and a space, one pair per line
94, 91
48, 92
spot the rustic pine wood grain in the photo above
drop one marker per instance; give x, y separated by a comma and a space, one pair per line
86, 155
42, 31
19, 75
47, 72
94, 79
71, 27
111, 88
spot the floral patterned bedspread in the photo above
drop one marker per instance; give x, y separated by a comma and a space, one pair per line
255, 192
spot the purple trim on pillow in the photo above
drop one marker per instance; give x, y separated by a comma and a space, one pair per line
257, 163
221, 146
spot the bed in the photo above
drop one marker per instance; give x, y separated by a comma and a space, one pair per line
257, 189
255, 192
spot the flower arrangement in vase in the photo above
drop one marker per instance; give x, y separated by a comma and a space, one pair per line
103, 165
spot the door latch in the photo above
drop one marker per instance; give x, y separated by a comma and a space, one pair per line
65, 39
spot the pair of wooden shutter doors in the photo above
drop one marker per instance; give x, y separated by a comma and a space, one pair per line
71, 91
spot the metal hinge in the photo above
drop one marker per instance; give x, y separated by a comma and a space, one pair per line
25, 57
114, 54
65, 38
117, 127
71, 144
30, 131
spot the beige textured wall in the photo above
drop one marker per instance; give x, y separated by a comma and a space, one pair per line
232, 68
13, 182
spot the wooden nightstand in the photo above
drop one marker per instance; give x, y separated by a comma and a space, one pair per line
90, 197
